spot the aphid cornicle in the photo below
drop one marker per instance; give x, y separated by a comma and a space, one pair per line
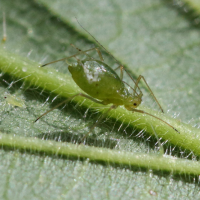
102, 84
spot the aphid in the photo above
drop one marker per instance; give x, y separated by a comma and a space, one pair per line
15, 101
102, 84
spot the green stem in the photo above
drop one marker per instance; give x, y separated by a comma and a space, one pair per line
63, 85
68, 150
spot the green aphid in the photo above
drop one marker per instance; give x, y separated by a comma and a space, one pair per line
14, 101
102, 84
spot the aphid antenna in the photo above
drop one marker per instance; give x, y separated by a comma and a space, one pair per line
141, 111
97, 41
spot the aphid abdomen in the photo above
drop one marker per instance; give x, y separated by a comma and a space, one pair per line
99, 81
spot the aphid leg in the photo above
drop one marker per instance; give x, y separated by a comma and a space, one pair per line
79, 61
141, 111
136, 86
63, 102
122, 75
84, 52
4, 29
62, 59
121, 72
98, 121
100, 54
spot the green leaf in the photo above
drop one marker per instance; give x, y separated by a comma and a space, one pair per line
150, 38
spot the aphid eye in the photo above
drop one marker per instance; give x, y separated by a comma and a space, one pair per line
135, 104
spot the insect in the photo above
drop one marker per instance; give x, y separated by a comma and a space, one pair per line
102, 84
13, 100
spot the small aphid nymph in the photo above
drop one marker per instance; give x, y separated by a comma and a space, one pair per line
14, 101
93, 76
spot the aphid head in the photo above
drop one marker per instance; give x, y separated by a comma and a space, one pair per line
133, 102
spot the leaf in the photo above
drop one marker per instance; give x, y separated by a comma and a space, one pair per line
146, 38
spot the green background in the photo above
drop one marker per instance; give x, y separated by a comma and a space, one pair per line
158, 39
